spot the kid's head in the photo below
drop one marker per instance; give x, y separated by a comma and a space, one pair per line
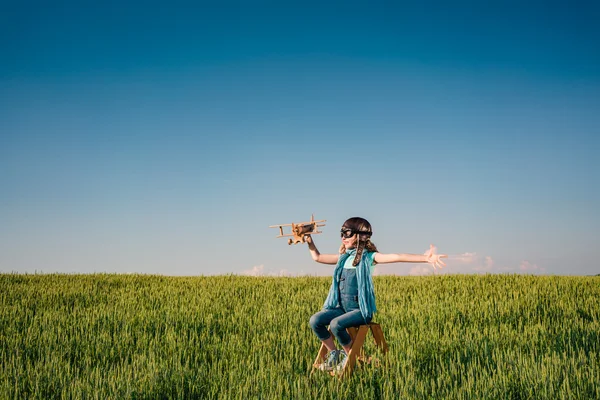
356, 233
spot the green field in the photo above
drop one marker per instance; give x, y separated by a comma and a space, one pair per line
154, 337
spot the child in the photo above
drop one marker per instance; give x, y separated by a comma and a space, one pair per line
351, 298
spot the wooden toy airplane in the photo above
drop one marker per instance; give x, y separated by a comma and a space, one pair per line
299, 230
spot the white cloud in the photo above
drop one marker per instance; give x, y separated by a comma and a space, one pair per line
260, 270
466, 258
422, 269
529, 268
470, 262
473, 263
388, 269
483, 265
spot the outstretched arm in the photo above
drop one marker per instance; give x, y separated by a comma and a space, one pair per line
318, 257
430, 257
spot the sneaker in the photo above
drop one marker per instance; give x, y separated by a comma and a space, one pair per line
331, 361
342, 360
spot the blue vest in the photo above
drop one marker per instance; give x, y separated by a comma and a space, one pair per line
366, 294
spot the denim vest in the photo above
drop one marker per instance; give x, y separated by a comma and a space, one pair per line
348, 290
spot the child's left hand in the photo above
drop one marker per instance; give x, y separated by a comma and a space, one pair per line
435, 259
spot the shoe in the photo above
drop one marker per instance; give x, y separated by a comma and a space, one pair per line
331, 361
343, 359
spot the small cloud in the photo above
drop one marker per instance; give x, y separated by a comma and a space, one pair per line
257, 270
466, 258
485, 265
260, 270
529, 268
388, 269
470, 262
421, 270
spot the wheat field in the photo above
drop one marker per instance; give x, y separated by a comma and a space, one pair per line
110, 336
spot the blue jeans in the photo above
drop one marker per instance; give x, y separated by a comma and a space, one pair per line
338, 320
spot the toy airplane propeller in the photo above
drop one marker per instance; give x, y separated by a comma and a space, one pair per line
299, 230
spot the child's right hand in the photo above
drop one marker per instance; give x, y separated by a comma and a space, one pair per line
308, 239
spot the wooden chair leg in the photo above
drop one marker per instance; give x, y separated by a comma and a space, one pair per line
379, 339
320, 356
353, 331
356, 348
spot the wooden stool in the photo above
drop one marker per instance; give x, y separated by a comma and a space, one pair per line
358, 335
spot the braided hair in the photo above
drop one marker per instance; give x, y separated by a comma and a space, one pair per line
363, 230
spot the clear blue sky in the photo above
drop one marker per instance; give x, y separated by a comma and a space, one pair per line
166, 137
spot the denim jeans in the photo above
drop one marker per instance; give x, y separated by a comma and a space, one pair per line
338, 320
346, 315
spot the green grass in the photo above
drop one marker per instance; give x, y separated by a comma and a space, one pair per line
153, 337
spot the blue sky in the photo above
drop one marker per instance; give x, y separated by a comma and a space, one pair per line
165, 139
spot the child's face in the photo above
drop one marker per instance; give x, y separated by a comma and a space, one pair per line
350, 243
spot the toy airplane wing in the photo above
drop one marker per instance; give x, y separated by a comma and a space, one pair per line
299, 230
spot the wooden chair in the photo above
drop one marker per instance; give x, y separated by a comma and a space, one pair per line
358, 335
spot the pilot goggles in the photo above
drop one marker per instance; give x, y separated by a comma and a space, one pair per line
347, 233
